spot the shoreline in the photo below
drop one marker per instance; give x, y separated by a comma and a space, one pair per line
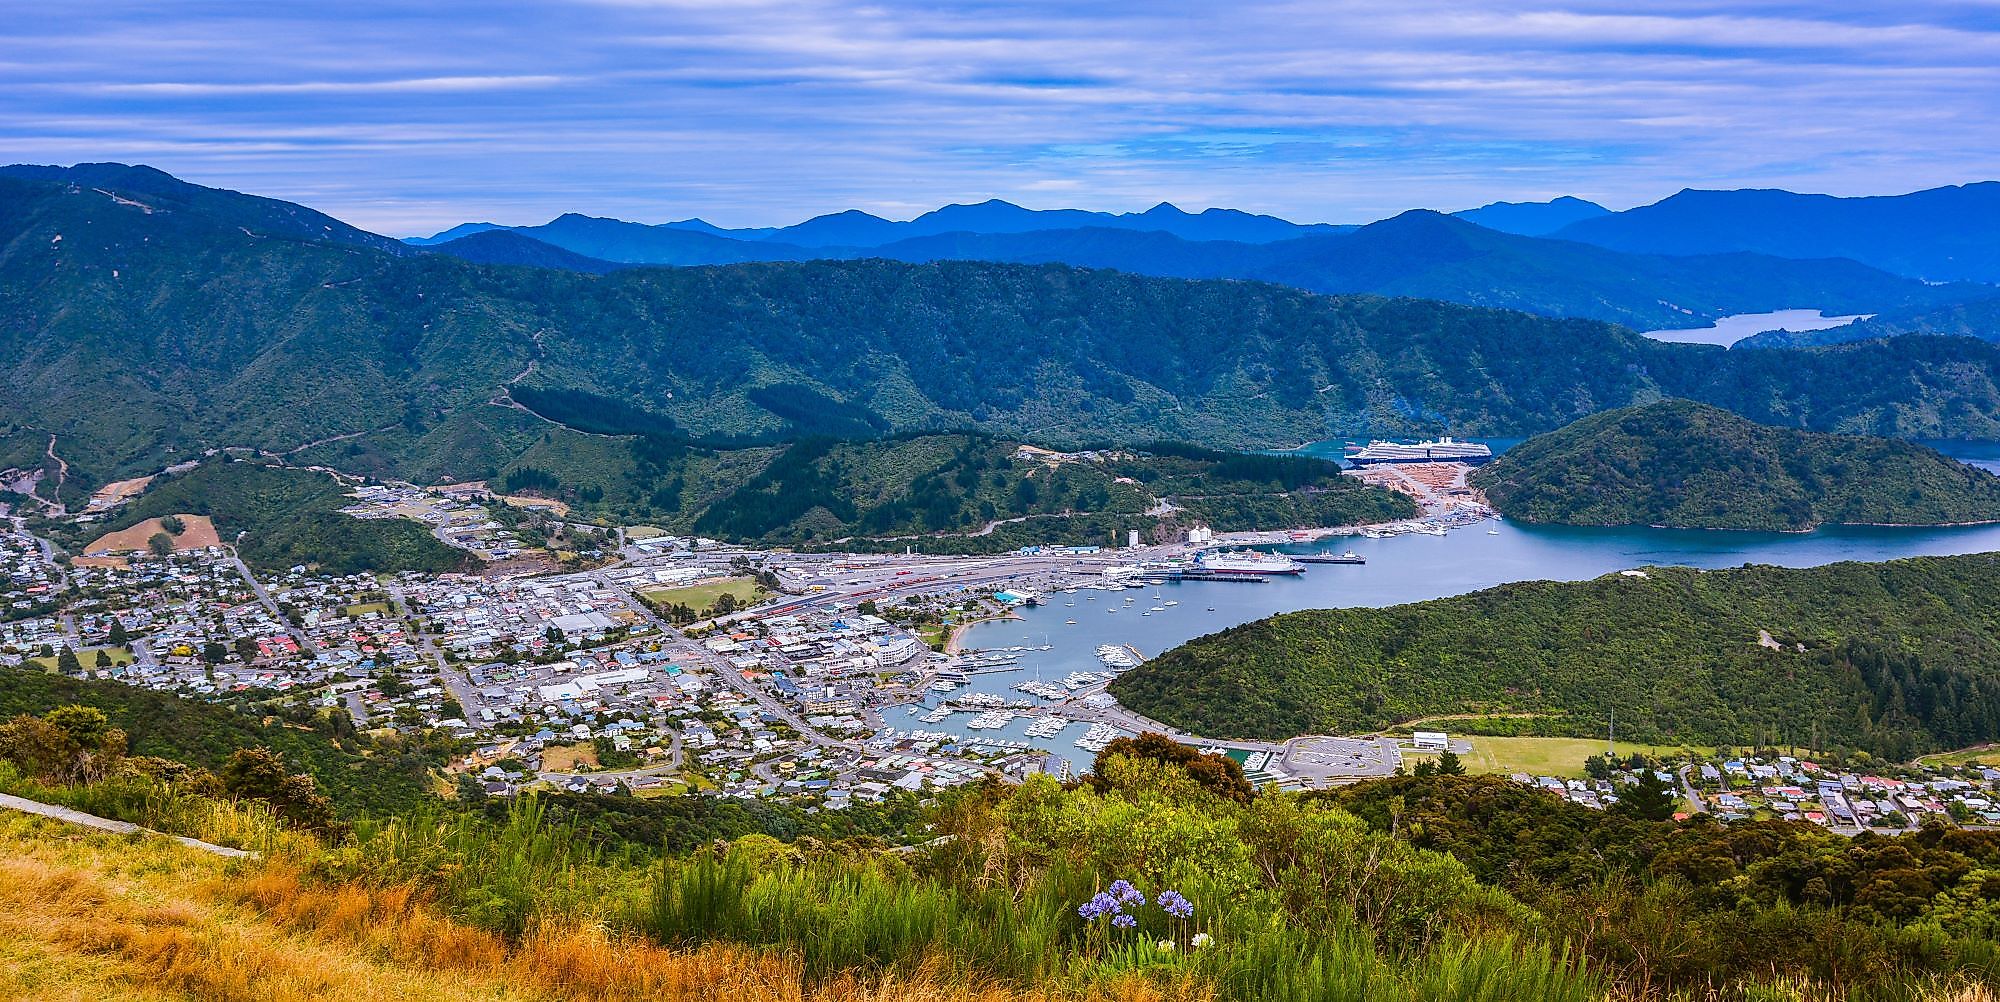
951, 641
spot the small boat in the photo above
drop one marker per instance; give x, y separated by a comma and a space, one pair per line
1170, 603
1069, 622
1211, 608
1493, 532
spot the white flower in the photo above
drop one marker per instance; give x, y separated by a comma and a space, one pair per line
1167, 945
1200, 940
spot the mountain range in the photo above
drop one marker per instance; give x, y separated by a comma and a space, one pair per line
144, 320
1419, 253
1940, 234
1513, 255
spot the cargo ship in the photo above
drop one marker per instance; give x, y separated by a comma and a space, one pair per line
1248, 562
1443, 450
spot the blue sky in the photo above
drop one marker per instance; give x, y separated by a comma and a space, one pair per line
406, 117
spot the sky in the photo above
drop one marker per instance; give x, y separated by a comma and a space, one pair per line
406, 118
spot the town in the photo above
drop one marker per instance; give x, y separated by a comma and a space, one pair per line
666, 664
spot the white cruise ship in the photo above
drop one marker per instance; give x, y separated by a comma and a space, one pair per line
1443, 450
1249, 562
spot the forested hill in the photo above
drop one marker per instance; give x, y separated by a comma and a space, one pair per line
947, 492
1899, 658
1687, 465
137, 329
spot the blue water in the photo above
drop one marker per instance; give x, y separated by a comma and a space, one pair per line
1412, 568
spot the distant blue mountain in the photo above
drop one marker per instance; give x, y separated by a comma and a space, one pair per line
670, 243
1533, 219
456, 232
997, 216
503, 246
1941, 234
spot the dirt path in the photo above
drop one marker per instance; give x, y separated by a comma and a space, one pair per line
26, 806
338, 438
62, 475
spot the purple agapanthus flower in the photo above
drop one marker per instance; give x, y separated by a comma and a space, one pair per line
1097, 907
1175, 904
1124, 921
1126, 893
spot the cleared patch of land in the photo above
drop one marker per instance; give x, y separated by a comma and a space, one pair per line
545, 504
117, 491
1546, 756
198, 532
702, 597
358, 611
637, 532
569, 758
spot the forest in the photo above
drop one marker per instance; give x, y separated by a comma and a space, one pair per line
1681, 464
1894, 658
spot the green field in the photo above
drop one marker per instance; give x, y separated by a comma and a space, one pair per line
702, 597
88, 656
639, 532
1547, 756
1981, 754
358, 611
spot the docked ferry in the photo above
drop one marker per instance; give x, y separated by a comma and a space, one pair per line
1249, 562
1443, 450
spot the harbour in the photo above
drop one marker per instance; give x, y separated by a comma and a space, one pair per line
1394, 568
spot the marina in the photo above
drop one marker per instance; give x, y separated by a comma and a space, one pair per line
1401, 567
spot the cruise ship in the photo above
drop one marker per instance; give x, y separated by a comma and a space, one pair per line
1443, 450
1249, 562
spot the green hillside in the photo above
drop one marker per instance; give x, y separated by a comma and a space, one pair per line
278, 517
1899, 658
138, 328
971, 491
1687, 465
359, 779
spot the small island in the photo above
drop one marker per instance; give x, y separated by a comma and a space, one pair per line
1681, 464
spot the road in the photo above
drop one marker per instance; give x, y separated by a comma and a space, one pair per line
468, 698
729, 673
298, 635
1688, 790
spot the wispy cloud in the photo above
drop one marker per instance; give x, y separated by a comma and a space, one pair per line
414, 85
407, 116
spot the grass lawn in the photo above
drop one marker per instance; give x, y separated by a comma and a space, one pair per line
87, 657
638, 532
1547, 756
1982, 754
358, 611
702, 597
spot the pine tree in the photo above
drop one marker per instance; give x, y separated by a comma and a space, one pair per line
1449, 765
1650, 798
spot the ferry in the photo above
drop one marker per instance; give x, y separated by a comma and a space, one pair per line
1443, 450
1249, 562
1328, 557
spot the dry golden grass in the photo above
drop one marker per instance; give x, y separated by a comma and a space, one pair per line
199, 532
86, 916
